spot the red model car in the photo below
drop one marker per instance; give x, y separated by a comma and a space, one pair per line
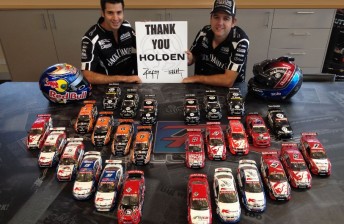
295, 166
274, 176
132, 197
194, 149
257, 130
314, 154
237, 138
39, 131
198, 199
215, 141
53, 147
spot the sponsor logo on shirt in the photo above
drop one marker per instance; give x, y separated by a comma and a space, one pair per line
125, 36
105, 43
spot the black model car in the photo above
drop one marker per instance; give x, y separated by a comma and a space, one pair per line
112, 96
191, 109
212, 106
130, 104
149, 110
279, 123
236, 103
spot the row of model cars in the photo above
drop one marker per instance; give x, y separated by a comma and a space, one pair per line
54, 144
130, 104
212, 106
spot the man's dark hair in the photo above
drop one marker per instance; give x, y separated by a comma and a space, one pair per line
103, 2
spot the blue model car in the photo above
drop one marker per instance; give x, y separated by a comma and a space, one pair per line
251, 186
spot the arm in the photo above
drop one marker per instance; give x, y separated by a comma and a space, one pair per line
97, 78
226, 80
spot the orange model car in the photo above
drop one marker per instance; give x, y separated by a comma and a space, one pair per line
122, 138
142, 146
102, 131
86, 117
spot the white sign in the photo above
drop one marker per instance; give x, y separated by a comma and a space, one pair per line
161, 48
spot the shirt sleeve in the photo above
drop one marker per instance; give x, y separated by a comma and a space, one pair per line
239, 55
89, 53
196, 45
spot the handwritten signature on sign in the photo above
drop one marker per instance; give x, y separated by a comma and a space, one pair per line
152, 74
176, 71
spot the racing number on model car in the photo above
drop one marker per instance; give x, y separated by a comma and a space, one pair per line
295, 156
194, 139
316, 146
142, 136
274, 165
216, 133
279, 115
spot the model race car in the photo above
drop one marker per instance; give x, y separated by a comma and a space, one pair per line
194, 149
71, 159
53, 146
314, 154
257, 130
39, 131
112, 96
142, 146
212, 106
130, 104
102, 131
192, 112
109, 185
88, 175
149, 110
198, 199
295, 166
236, 103
251, 186
226, 196
132, 197
123, 137
86, 117
274, 177
236, 136
215, 141
279, 123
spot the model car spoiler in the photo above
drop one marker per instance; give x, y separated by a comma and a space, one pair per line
198, 175
213, 123
96, 153
105, 113
309, 133
58, 129
270, 154
135, 174
43, 115
144, 127
89, 102
113, 161
75, 140
247, 161
223, 169
125, 121
189, 130
253, 113
234, 118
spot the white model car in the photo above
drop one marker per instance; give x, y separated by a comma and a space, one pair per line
109, 185
70, 159
226, 196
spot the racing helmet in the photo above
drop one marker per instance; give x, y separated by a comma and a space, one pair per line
276, 79
63, 83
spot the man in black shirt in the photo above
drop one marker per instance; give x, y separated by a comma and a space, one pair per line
107, 47
220, 49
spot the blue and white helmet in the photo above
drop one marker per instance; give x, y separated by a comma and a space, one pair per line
63, 83
276, 79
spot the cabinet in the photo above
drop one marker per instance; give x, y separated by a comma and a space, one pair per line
32, 40
257, 24
302, 34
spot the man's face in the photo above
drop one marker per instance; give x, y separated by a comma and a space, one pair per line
221, 24
113, 16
